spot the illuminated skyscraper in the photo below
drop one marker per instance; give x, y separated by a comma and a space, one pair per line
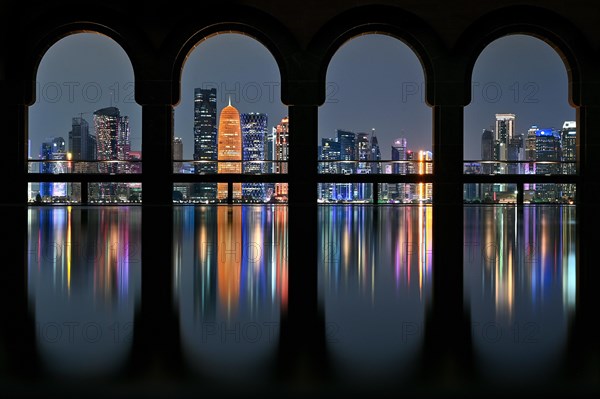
505, 128
112, 143
82, 145
399, 154
112, 136
205, 141
375, 153
489, 152
282, 148
330, 151
254, 131
123, 141
425, 190
396, 191
177, 154
363, 152
229, 149
270, 150
568, 137
52, 148
544, 145
205, 129
347, 142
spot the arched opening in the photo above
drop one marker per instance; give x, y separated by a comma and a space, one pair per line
375, 122
375, 265
230, 261
520, 261
230, 110
85, 121
519, 122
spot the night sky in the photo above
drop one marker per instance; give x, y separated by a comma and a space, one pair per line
373, 81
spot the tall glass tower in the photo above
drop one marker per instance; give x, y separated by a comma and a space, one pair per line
112, 143
282, 151
82, 145
52, 148
205, 129
254, 131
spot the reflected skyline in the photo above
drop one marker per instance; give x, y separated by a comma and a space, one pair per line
520, 281
375, 271
84, 283
230, 274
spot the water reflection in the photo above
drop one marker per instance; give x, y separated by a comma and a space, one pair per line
84, 280
231, 272
375, 282
520, 276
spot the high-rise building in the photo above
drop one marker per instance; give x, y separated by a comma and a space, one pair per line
205, 129
568, 138
112, 143
177, 154
282, 151
488, 153
330, 151
530, 148
254, 131
410, 189
229, 149
54, 149
505, 128
514, 152
270, 150
347, 141
123, 140
399, 154
205, 141
425, 190
363, 148
82, 145
487, 150
348, 152
112, 136
364, 153
544, 145
375, 153
396, 191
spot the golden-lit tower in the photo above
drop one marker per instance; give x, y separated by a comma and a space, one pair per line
229, 149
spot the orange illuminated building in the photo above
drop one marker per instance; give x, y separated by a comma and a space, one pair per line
229, 149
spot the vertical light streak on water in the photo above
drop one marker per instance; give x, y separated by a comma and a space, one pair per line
420, 255
68, 248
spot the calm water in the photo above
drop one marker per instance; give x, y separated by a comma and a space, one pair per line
520, 285
230, 270
375, 272
84, 283
230, 279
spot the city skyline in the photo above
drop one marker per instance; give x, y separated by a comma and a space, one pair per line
373, 81
79, 75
